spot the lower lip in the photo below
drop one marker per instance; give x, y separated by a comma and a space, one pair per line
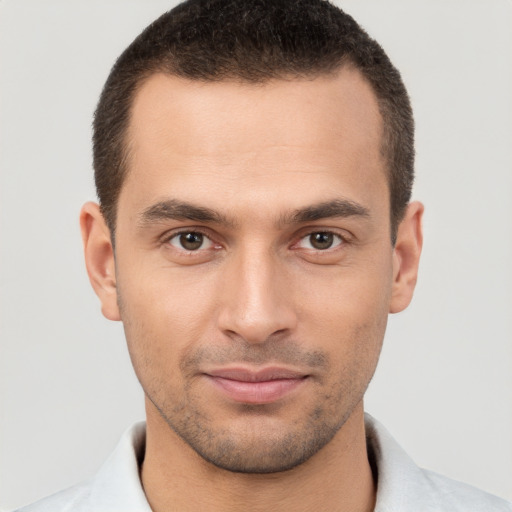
256, 392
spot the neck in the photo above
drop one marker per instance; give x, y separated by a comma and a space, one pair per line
337, 478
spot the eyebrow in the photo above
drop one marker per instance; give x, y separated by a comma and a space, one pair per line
174, 209
336, 208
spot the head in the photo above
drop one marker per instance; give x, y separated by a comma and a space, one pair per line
255, 161
253, 43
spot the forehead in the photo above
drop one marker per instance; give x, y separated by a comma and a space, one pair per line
329, 101
266, 136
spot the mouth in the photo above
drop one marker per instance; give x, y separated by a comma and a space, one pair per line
261, 386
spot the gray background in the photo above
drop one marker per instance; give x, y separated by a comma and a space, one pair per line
444, 385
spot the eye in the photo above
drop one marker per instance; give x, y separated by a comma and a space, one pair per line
320, 241
190, 241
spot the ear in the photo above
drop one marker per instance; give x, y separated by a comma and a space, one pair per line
406, 257
99, 258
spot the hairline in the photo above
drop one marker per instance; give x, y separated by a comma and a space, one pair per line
166, 69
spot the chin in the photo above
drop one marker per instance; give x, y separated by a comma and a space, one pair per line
258, 447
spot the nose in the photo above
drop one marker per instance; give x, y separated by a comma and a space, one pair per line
256, 301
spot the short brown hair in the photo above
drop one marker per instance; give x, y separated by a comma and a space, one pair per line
251, 41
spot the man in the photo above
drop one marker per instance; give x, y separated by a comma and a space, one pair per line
254, 162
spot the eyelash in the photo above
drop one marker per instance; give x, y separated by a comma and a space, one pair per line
342, 239
336, 242
167, 239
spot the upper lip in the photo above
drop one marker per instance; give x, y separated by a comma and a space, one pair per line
256, 375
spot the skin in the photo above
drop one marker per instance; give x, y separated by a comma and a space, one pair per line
256, 292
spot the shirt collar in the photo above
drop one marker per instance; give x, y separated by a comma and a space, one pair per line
401, 485
400, 482
117, 485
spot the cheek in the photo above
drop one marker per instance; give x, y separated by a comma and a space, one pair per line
346, 313
344, 297
172, 303
165, 315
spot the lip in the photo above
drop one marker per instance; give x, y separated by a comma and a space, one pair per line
262, 386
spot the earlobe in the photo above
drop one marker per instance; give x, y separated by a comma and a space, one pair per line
99, 258
406, 257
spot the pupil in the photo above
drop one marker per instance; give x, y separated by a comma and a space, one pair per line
321, 240
191, 241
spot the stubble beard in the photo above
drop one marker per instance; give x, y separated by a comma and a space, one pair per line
264, 450
249, 452
253, 450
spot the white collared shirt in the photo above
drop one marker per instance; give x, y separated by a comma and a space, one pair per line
402, 486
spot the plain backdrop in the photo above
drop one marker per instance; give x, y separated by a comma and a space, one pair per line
444, 384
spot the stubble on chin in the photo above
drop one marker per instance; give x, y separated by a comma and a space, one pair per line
262, 444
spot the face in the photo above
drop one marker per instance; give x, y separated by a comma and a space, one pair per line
253, 266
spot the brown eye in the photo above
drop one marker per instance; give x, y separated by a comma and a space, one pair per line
321, 240
190, 241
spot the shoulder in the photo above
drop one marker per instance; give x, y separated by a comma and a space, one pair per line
454, 495
115, 487
72, 499
402, 486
